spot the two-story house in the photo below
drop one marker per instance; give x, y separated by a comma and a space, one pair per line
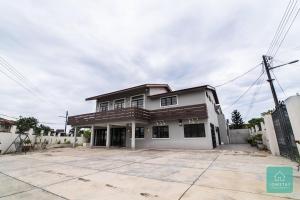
158, 117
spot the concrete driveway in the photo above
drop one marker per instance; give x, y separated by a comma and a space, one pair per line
233, 172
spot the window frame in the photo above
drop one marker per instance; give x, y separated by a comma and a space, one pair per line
119, 100
131, 100
138, 138
193, 135
153, 127
160, 101
99, 106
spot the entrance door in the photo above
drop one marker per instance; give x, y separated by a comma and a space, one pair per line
118, 137
100, 137
219, 137
213, 135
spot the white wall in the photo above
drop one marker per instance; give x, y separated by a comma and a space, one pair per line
184, 99
293, 108
62, 139
6, 139
176, 138
271, 135
239, 136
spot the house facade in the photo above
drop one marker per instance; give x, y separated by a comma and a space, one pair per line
6, 125
158, 117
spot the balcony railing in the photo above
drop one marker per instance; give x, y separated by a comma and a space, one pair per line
111, 115
127, 114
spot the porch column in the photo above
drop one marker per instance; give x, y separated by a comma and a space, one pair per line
108, 136
92, 136
75, 133
133, 135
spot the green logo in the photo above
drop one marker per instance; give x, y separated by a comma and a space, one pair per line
279, 179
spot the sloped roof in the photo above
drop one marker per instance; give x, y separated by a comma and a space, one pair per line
186, 90
134, 89
6, 121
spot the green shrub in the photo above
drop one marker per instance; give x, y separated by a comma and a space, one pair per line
87, 135
67, 142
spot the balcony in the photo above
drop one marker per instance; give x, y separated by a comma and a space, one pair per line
124, 114
127, 114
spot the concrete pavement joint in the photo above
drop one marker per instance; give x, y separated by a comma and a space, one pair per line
104, 170
263, 194
33, 186
198, 177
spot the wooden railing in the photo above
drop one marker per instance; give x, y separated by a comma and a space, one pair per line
111, 115
125, 114
180, 112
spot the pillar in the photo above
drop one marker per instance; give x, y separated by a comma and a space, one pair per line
108, 136
133, 135
92, 136
75, 133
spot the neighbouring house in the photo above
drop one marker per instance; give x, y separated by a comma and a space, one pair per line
6, 125
160, 118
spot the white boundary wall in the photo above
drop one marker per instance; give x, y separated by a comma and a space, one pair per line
270, 135
293, 108
239, 136
7, 138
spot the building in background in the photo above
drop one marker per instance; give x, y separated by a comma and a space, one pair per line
6, 125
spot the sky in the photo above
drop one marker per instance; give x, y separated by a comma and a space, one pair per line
68, 50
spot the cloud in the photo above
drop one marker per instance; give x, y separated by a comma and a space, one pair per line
71, 50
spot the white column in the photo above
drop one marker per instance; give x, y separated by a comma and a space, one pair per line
75, 132
133, 135
92, 136
108, 136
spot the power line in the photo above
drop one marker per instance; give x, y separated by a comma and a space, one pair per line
22, 81
53, 123
279, 84
286, 32
253, 100
232, 80
17, 82
246, 91
280, 26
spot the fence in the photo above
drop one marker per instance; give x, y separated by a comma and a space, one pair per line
6, 139
284, 133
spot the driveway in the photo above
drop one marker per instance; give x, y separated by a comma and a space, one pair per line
231, 172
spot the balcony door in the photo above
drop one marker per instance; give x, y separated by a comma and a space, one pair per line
100, 137
118, 137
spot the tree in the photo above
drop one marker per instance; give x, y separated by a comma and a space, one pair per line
267, 113
26, 123
237, 120
255, 121
40, 128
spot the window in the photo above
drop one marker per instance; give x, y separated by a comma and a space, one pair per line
103, 107
167, 101
137, 101
194, 130
139, 132
160, 132
119, 104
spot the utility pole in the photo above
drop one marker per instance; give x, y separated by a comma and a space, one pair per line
66, 120
270, 80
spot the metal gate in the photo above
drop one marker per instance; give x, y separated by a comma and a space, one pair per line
284, 133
